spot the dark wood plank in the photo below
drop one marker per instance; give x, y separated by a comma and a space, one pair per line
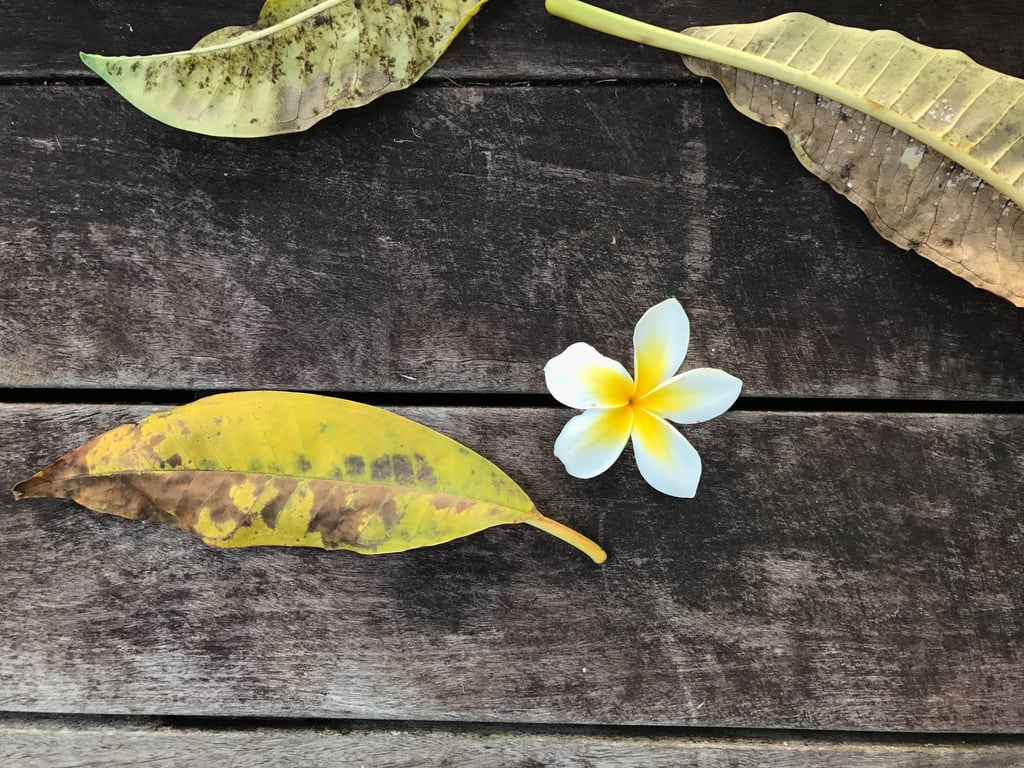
837, 571
453, 240
70, 743
509, 40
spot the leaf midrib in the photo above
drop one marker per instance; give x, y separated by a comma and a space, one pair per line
246, 38
411, 489
686, 45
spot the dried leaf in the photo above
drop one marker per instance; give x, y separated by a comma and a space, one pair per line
300, 61
289, 469
928, 143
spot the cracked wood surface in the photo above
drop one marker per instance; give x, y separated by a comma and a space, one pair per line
844, 572
833, 573
452, 240
73, 742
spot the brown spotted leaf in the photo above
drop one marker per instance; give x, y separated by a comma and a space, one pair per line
928, 143
289, 469
300, 61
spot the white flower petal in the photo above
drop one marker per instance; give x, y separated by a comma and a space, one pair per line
659, 344
664, 457
581, 377
591, 442
695, 396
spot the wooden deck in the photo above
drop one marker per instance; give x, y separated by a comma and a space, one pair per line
846, 589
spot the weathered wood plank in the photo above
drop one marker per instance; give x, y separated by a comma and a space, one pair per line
510, 39
70, 743
454, 240
837, 571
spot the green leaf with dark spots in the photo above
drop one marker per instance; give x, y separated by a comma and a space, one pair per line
300, 62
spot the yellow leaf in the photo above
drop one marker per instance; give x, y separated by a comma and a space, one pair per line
300, 61
290, 469
928, 143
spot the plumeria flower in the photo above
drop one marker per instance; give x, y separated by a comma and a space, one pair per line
617, 407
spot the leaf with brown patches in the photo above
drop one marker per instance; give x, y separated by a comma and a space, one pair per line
300, 61
296, 470
928, 143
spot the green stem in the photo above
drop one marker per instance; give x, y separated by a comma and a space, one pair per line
610, 23
614, 24
630, 29
617, 25
569, 536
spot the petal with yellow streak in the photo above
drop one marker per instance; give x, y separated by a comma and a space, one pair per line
694, 396
591, 442
664, 457
581, 377
660, 341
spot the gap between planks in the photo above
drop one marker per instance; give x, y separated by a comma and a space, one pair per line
72, 740
175, 397
683, 80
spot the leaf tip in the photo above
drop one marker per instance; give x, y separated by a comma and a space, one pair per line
100, 65
29, 488
91, 60
109, 68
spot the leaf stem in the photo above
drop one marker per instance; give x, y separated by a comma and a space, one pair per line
615, 24
600, 20
627, 28
639, 32
590, 548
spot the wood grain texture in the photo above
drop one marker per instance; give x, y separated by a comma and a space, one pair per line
71, 743
452, 240
837, 571
510, 40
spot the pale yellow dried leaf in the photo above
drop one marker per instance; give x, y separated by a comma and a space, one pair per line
301, 61
929, 143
